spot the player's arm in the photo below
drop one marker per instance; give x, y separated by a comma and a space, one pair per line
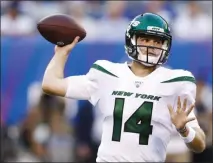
53, 80
191, 132
184, 119
197, 145
82, 87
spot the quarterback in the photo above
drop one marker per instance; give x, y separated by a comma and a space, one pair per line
142, 102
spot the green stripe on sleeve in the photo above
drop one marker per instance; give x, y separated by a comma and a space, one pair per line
98, 67
180, 79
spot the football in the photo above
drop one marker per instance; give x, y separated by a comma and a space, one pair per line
60, 29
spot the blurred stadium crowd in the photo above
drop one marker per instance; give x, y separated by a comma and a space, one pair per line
62, 130
20, 17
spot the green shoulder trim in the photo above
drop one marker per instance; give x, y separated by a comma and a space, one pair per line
181, 78
98, 67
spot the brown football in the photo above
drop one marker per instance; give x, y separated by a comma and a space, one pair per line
60, 29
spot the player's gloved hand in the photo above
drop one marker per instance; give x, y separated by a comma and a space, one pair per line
180, 117
65, 50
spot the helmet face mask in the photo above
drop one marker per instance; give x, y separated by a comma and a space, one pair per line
143, 26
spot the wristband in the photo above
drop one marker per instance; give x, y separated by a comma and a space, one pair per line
190, 136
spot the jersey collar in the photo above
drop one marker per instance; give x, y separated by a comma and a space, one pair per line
132, 75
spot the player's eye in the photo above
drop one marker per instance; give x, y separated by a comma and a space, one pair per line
158, 41
144, 39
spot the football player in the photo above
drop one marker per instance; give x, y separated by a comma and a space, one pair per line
142, 102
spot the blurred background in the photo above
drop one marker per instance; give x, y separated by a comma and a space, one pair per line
37, 127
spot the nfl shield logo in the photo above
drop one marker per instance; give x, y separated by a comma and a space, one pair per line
138, 83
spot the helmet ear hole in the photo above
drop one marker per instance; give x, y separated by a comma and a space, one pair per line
133, 53
131, 49
133, 44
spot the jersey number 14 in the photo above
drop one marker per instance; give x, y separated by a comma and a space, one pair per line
139, 122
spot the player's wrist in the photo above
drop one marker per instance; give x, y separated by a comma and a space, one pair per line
60, 58
61, 54
183, 131
187, 134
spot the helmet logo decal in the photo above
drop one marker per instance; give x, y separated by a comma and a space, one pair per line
153, 28
127, 31
135, 23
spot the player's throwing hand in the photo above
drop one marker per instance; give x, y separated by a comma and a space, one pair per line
180, 117
65, 50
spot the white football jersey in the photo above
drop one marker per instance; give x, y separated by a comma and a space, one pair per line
136, 120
